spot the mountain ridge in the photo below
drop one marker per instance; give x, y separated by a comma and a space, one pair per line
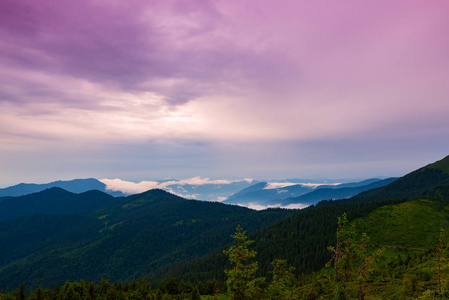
301, 193
156, 233
74, 186
136, 235
55, 201
336, 193
303, 238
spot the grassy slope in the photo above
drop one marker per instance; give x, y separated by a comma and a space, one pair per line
414, 224
407, 230
303, 238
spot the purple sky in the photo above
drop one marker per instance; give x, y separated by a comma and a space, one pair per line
145, 89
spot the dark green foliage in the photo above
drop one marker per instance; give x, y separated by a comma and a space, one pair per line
195, 294
21, 294
409, 275
442, 165
301, 239
344, 251
123, 242
171, 287
340, 292
27, 235
412, 185
147, 232
241, 281
281, 287
54, 201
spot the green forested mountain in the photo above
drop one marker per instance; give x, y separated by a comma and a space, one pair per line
416, 183
139, 235
303, 238
158, 234
54, 201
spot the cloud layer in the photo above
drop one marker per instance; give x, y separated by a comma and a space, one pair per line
230, 81
128, 187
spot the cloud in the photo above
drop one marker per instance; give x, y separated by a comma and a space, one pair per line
129, 187
279, 185
262, 207
220, 199
221, 70
268, 87
295, 206
183, 195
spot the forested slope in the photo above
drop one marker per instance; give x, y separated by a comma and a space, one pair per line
54, 201
303, 238
121, 242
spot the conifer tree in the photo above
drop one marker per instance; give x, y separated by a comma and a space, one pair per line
439, 259
344, 251
282, 283
195, 294
22, 294
241, 281
366, 263
56, 290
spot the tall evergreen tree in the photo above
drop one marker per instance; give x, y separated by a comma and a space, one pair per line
343, 252
22, 293
241, 281
439, 259
282, 283
366, 263
195, 294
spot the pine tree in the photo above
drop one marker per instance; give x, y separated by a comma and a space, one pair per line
195, 294
241, 281
439, 259
171, 286
282, 283
22, 294
344, 251
366, 263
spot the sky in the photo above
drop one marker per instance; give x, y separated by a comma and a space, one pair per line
145, 90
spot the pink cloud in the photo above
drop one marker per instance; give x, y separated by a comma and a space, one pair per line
222, 72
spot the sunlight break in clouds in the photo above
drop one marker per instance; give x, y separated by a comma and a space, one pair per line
128, 187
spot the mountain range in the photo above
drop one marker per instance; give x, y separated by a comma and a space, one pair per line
74, 186
56, 201
120, 238
419, 200
157, 234
287, 193
242, 192
192, 188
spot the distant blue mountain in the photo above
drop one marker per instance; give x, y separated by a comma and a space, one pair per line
207, 192
74, 186
342, 191
360, 183
264, 194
